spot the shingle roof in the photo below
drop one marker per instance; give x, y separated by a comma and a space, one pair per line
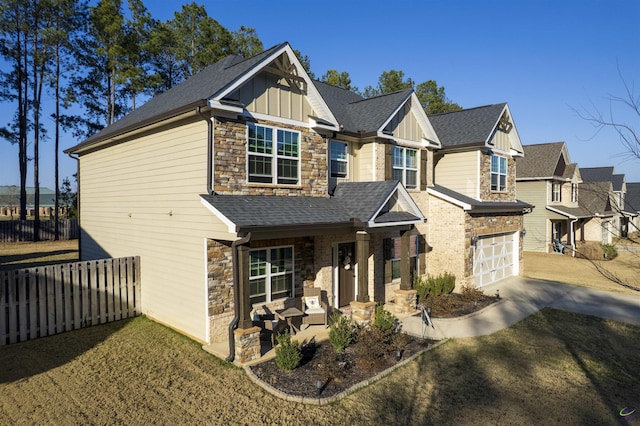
572, 212
10, 196
632, 199
196, 89
358, 114
596, 174
539, 160
481, 206
617, 181
594, 197
351, 201
471, 126
570, 170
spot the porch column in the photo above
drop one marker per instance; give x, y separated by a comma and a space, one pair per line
405, 265
244, 290
362, 254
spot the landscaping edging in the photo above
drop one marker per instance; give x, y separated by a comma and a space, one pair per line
472, 314
334, 398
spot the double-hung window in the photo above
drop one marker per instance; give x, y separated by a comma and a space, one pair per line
393, 247
270, 274
405, 166
273, 155
556, 192
498, 173
574, 192
339, 159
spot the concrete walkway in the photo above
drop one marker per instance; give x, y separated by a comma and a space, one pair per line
522, 297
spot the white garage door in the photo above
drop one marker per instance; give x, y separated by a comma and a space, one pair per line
494, 258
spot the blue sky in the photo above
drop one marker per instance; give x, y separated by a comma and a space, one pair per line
545, 58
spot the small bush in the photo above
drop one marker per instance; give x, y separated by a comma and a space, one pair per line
384, 320
288, 352
434, 286
371, 346
340, 332
442, 303
609, 251
470, 293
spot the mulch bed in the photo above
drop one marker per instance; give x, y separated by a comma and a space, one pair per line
455, 306
337, 372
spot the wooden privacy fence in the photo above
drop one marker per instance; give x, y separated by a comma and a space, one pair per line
48, 300
24, 230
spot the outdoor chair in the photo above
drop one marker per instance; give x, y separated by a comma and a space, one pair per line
558, 246
270, 324
314, 308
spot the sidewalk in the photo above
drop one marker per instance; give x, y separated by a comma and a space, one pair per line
522, 297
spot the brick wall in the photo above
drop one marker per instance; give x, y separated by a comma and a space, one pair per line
230, 162
447, 239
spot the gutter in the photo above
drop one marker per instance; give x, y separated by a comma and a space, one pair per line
236, 296
210, 152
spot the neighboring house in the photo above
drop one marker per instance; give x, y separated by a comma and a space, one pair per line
547, 178
599, 177
250, 181
10, 200
475, 221
632, 205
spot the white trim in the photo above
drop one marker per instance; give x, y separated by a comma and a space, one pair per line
230, 225
274, 156
560, 212
409, 204
421, 118
372, 224
516, 144
217, 105
269, 275
404, 142
479, 173
432, 191
275, 119
347, 161
373, 166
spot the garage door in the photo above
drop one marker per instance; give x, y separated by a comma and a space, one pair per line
494, 258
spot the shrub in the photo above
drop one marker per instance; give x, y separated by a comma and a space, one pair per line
609, 251
470, 293
288, 352
434, 286
384, 320
340, 333
371, 346
442, 303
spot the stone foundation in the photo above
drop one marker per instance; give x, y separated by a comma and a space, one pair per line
247, 344
406, 301
363, 313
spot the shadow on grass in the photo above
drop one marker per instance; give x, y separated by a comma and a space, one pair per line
8, 262
26, 359
554, 366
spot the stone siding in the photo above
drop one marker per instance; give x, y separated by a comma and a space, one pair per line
486, 194
448, 239
230, 162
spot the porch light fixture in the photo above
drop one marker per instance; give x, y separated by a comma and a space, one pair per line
474, 241
524, 232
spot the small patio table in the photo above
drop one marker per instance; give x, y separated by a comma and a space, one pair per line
289, 314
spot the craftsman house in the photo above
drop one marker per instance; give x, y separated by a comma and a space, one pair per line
249, 182
475, 226
547, 178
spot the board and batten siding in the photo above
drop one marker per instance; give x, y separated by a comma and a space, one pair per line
268, 94
141, 198
459, 172
537, 222
405, 126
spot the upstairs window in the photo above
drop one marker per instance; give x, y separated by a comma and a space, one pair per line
273, 155
339, 159
270, 274
498, 173
405, 166
556, 192
574, 192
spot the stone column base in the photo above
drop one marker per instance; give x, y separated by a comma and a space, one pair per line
247, 344
363, 312
406, 301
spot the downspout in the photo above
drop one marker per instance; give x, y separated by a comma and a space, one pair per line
236, 296
78, 203
210, 152
573, 236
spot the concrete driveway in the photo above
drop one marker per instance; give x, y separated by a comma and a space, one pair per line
522, 297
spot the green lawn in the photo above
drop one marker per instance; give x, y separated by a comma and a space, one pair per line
552, 368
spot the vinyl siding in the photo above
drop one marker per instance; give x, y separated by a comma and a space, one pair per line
405, 126
537, 222
364, 163
459, 172
142, 198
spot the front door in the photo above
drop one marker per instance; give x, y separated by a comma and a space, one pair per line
346, 265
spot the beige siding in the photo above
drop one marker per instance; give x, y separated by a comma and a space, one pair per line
364, 162
459, 172
405, 126
141, 198
446, 239
501, 141
271, 95
537, 222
